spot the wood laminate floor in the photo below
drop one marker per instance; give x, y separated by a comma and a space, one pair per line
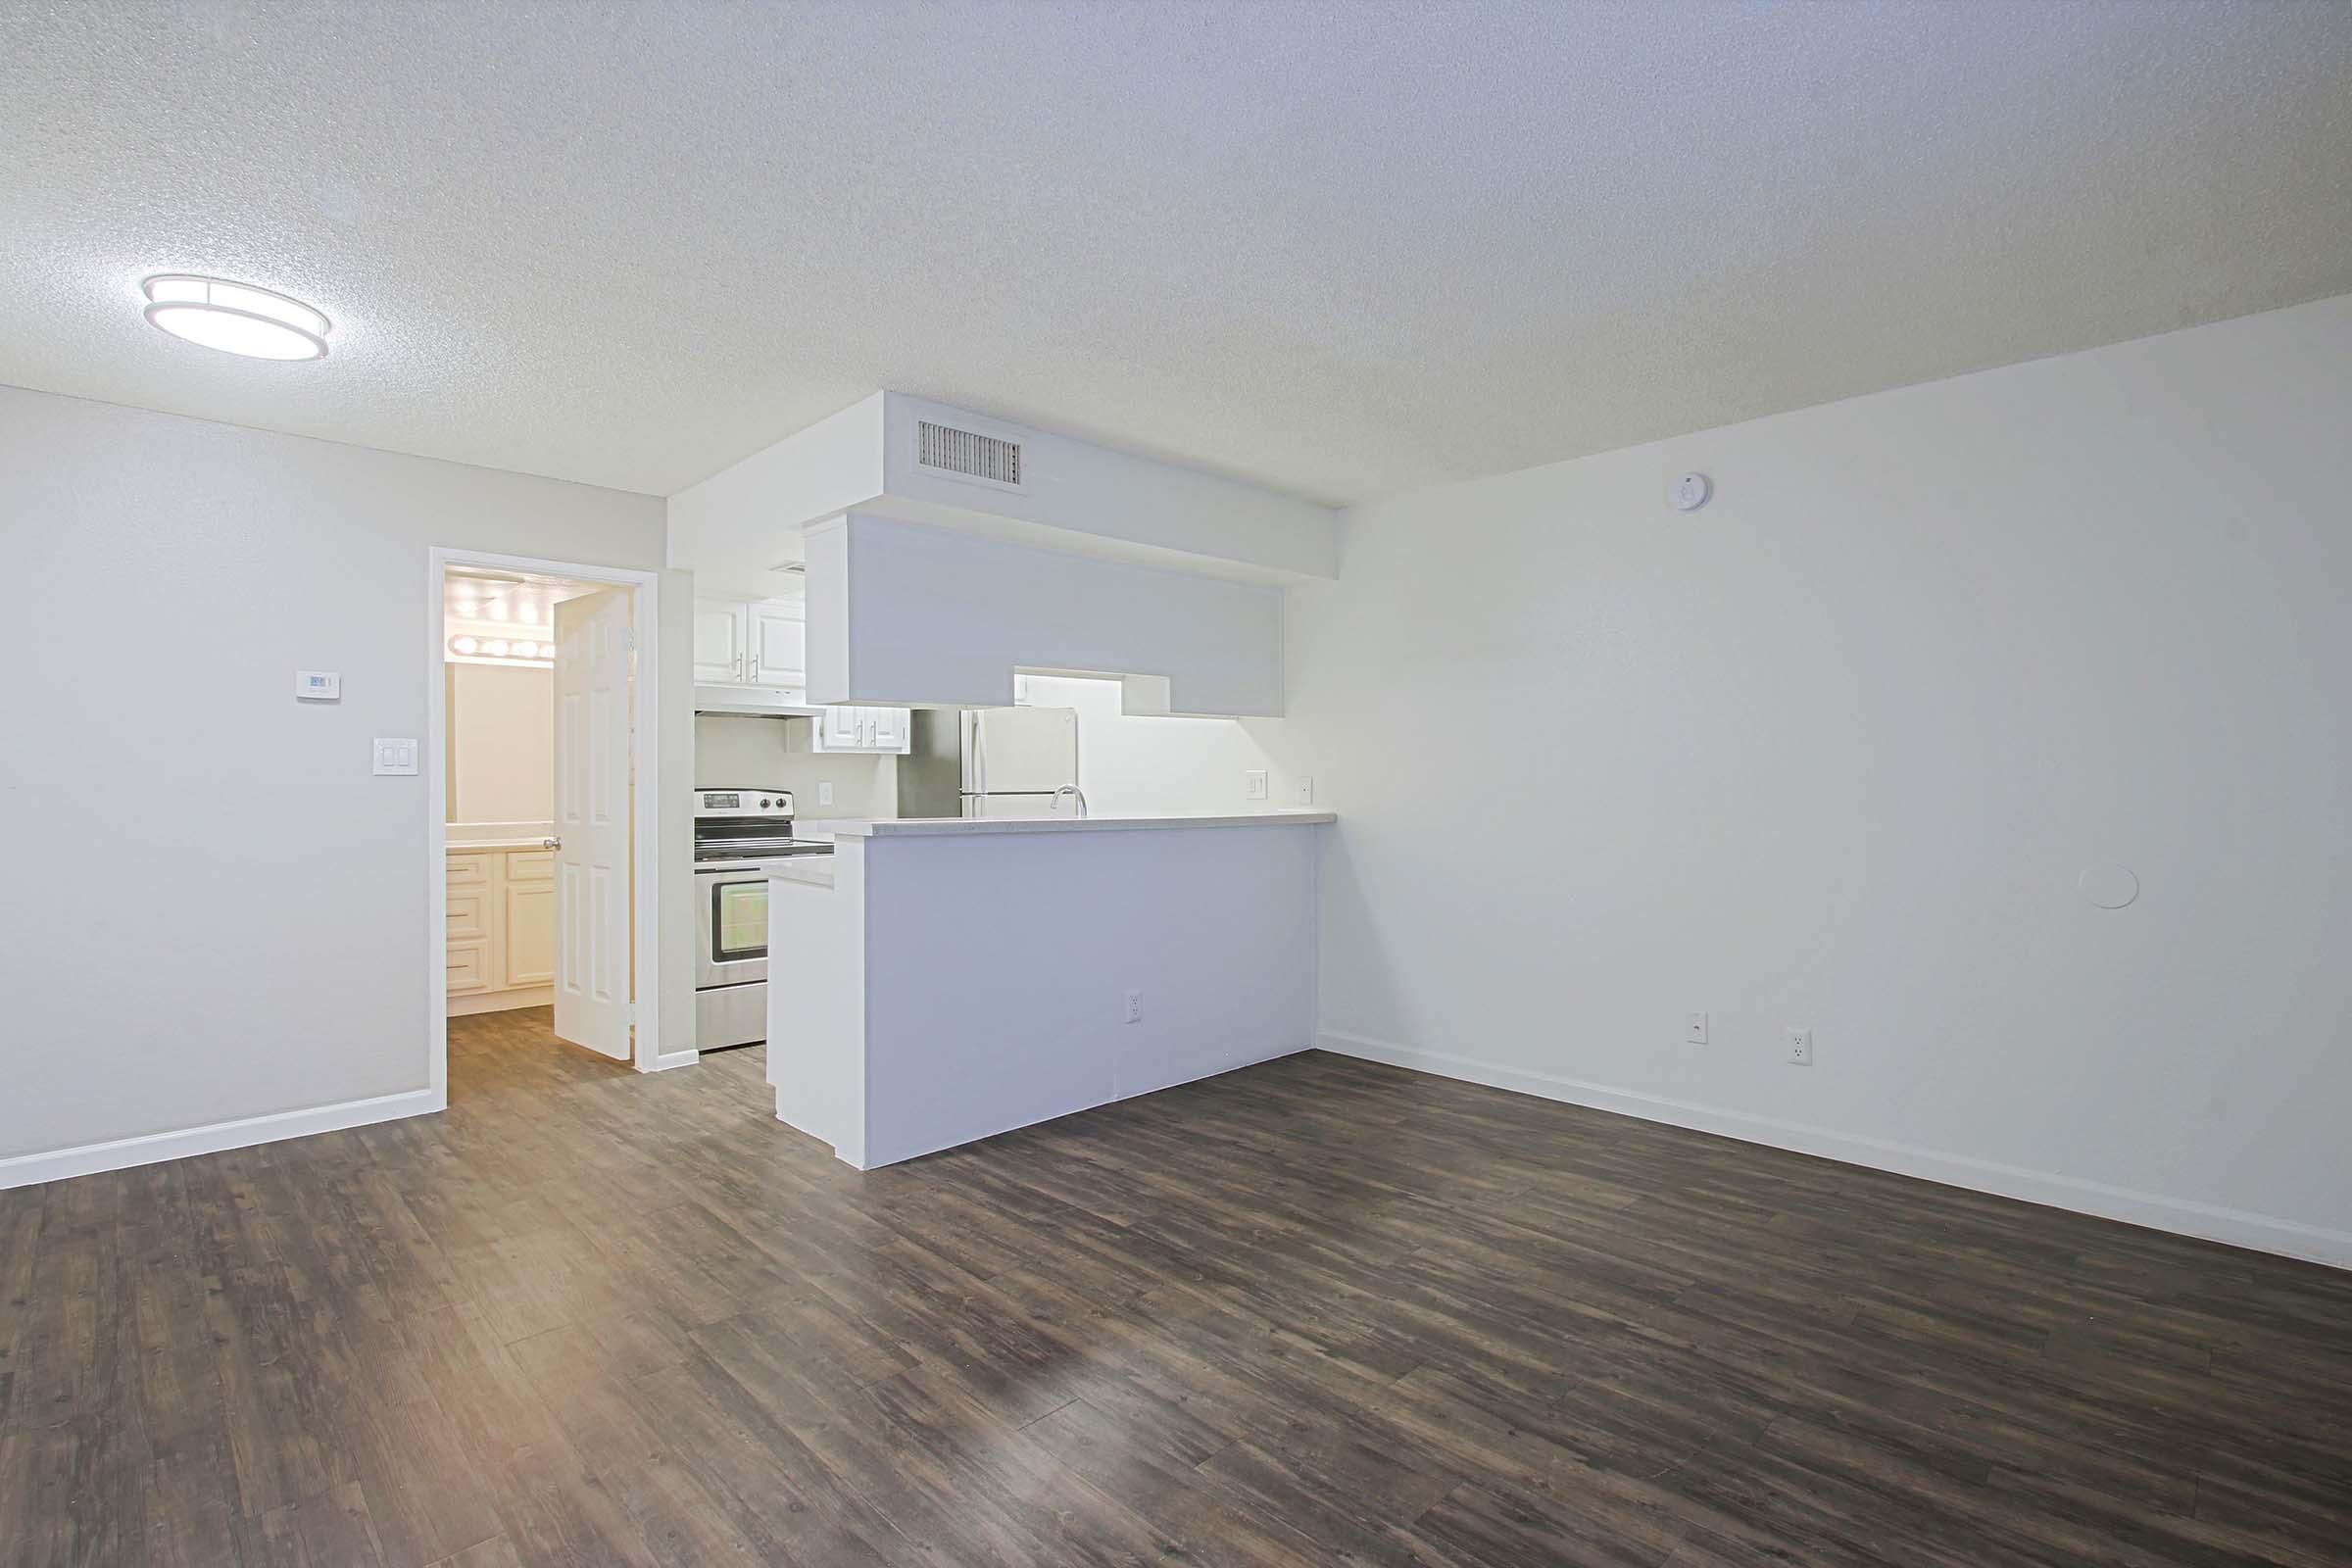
1315, 1311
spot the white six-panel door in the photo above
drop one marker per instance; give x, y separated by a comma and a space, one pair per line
592, 821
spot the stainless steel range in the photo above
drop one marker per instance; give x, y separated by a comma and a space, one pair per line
734, 831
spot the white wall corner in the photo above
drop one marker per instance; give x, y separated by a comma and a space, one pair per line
736, 529
825, 609
1096, 500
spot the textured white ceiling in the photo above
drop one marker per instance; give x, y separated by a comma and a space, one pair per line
1343, 248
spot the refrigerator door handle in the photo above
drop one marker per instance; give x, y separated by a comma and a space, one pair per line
980, 757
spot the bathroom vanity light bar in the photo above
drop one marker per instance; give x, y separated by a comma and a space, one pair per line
500, 651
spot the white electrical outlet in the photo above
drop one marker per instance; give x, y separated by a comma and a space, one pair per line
824, 793
1800, 1047
1306, 791
1135, 1006
1695, 1029
1254, 784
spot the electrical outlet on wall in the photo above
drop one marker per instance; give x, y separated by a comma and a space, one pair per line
1135, 1006
1254, 784
1305, 790
1801, 1046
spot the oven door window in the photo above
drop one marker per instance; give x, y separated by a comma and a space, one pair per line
738, 921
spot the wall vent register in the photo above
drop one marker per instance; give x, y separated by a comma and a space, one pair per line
967, 454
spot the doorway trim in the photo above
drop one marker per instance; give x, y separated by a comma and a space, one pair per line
645, 770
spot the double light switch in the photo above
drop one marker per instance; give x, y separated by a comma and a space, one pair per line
395, 755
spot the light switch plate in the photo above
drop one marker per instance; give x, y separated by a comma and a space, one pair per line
824, 793
318, 685
395, 756
1254, 784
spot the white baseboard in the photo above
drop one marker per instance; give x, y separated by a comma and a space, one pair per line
2182, 1216
121, 1154
671, 1058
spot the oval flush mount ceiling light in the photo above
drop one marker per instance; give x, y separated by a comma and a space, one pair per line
235, 317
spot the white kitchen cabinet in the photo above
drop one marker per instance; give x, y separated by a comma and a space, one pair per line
838, 730
502, 928
864, 729
721, 641
779, 646
741, 642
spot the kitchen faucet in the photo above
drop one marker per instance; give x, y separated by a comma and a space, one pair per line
1076, 793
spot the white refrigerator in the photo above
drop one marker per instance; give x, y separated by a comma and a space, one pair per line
1014, 759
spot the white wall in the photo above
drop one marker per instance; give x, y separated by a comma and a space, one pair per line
736, 748
680, 895
1147, 765
262, 951
735, 528
1835, 750
1077, 496
502, 743
900, 612
981, 978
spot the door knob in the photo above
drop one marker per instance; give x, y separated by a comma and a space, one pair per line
553, 844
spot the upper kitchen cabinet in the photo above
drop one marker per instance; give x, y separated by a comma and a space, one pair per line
864, 729
721, 637
779, 645
745, 643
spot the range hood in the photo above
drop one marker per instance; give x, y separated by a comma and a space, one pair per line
769, 701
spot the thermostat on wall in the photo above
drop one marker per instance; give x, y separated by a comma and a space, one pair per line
318, 685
